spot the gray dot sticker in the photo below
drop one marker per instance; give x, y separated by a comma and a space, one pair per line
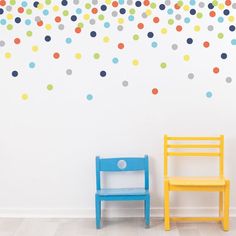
144, 15
125, 83
201, 4
167, 2
190, 75
2, 43
61, 27
120, 27
174, 46
37, 18
76, 2
210, 27
228, 80
94, 2
114, 13
8, 8
178, 17
130, 2
234, 5
92, 22
122, 164
69, 72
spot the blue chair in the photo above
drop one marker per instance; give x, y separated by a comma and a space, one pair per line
122, 194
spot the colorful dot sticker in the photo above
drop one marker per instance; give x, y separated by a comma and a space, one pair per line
54, 33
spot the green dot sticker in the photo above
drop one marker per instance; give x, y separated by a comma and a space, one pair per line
50, 87
163, 65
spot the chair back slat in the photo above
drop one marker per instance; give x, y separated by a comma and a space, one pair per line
121, 164
194, 147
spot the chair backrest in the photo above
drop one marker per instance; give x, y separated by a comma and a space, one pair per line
122, 164
205, 146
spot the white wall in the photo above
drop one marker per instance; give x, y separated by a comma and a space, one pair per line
48, 143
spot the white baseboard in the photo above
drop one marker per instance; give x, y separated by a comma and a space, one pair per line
111, 212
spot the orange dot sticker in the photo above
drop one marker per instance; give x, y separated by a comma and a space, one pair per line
216, 70
115, 4
155, 91
179, 28
77, 30
212, 13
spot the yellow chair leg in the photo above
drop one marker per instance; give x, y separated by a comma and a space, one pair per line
226, 206
166, 205
220, 204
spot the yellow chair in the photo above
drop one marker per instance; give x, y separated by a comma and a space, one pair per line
173, 147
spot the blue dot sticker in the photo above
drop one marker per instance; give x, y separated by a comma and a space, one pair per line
209, 94
89, 97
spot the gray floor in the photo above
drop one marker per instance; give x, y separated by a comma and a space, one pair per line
111, 227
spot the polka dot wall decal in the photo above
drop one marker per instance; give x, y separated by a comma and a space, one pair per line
228, 80
209, 94
155, 91
89, 97
121, 45
69, 72
190, 75
32, 65
103, 73
17, 41
50, 87
135, 62
186, 57
24, 96
163, 65
56, 55
216, 70
14, 73
206, 44
78, 56
125, 83
223, 55
2, 43
174, 46
7, 55
96, 56
115, 60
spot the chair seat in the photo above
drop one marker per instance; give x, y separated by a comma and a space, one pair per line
122, 192
196, 181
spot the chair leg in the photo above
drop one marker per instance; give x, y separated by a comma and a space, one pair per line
147, 210
226, 206
221, 204
98, 212
166, 205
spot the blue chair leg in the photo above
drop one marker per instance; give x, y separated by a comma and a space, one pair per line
147, 210
98, 212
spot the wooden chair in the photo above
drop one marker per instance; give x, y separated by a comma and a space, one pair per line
173, 147
122, 194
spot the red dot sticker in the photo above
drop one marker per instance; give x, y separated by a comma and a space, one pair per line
121, 45
56, 55
17, 41
206, 44
156, 19
155, 91
58, 19
140, 25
